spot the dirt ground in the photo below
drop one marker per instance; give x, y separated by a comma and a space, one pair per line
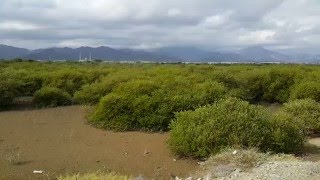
58, 141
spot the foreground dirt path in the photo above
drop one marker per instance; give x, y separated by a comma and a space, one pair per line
58, 141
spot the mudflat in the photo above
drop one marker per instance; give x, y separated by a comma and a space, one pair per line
58, 141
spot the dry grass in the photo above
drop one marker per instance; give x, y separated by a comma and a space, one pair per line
229, 160
241, 158
246, 158
95, 176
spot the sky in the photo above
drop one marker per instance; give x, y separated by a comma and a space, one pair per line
147, 24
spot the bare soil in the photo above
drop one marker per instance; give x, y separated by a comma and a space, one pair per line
58, 141
312, 150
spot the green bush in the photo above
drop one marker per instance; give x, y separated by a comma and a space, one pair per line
232, 123
306, 90
131, 106
287, 136
253, 85
150, 105
29, 85
51, 97
278, 84
229, 122
305, 113
92, 93
67, 80
8, 91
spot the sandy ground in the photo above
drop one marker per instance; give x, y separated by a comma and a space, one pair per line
58, 141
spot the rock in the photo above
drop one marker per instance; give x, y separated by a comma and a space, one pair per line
146, 152
235, 152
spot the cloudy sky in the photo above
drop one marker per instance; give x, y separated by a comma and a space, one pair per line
144, 24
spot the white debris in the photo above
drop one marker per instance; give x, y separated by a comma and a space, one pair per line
37, 172
235, 152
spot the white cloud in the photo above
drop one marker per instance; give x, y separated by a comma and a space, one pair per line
258, 37
174, 12
147, 46
303, 29
214, 21
17, 26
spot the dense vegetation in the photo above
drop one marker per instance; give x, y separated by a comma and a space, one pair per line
51, 97
234, 123
151, 96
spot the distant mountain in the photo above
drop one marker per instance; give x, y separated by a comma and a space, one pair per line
254, 53
10, 52
168, 54
225, 57
184, 53
195, 54
314, 62
257, 53
306, 58
103, 53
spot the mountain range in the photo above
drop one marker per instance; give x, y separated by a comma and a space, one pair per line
102, 53
168, 54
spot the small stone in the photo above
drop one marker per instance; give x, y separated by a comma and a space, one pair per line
235, 152
174, 160
146, 152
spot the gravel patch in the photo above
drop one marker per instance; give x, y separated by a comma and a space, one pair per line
280, 170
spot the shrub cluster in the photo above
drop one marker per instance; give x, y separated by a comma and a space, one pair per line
308, 89
8, 92
150, 105
147, 97
207, 130
88, 83
233, 123
305, 113
51, 97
